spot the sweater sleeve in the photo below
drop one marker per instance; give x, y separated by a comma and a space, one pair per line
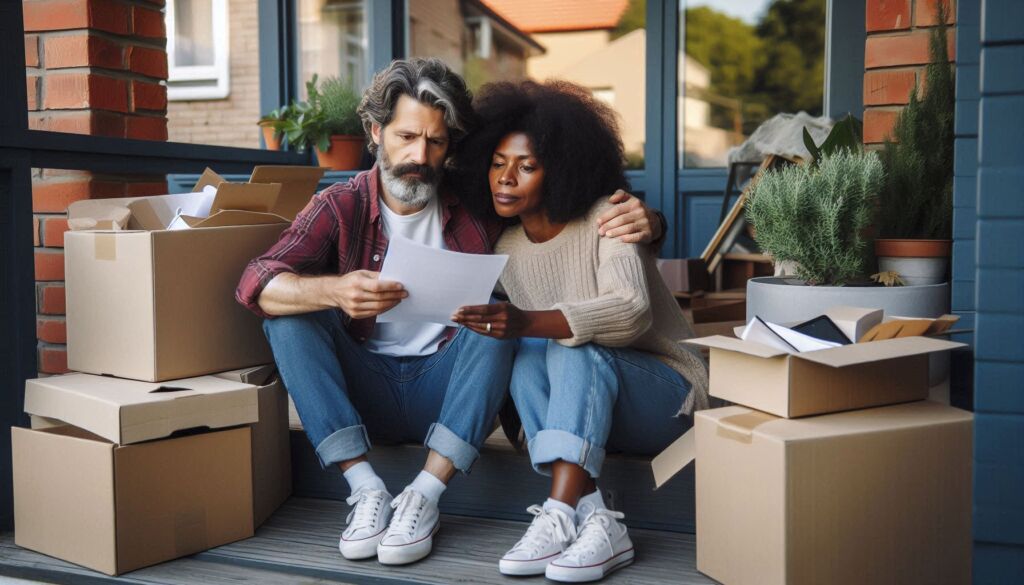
621, 311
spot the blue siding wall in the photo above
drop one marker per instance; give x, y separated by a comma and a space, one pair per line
999, 299
965, 186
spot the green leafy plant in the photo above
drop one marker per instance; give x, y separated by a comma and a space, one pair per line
815, 215
302, 122
339, 101
916, 200
845, 134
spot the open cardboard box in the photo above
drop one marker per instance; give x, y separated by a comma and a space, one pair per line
105, 483
149, 303
881, 495
271, 446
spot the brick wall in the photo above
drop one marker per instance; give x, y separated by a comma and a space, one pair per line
895, 53
92, 67
230, 121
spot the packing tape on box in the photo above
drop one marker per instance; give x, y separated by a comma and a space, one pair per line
105, 247
740, 427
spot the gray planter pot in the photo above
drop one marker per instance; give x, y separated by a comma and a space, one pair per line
788, 300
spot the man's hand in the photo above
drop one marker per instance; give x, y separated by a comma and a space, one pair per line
630, 220
362, 294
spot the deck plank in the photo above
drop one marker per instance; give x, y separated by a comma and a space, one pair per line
299, 545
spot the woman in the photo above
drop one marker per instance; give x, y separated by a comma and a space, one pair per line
600, 366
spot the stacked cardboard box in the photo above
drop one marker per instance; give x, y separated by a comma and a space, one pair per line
187, 447
834, 469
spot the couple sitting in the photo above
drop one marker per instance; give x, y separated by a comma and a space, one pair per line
589, 343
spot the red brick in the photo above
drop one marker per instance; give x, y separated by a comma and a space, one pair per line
146, 61
53, 359
97, 123
148, 96
147, 22
52, 300
138, 189
85, 90
900, 50
147, 128
878, 124
52, 330
105, 15
53, 231
32, 91
884, 15
54, 197
926, 12
31, 50
35, 232
888, 87
49, 264
83, 51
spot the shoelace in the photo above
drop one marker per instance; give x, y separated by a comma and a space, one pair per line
408, 506
544, 523
593, 532
365, 508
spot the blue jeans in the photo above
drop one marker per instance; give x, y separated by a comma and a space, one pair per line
577, 403
346, 394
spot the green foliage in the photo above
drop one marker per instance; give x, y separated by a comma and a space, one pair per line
917, 197
815, 215
846, 134
633, 17
338, 100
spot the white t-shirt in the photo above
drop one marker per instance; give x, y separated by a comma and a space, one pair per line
410, 339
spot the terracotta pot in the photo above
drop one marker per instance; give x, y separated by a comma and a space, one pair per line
270, 136
344, 153
917, 261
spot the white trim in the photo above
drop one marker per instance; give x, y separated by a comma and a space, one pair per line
200, 82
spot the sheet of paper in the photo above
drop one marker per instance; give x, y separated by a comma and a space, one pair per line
198, 206
438, 281
782, 338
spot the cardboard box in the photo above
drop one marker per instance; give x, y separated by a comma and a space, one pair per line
848, 377
116, 508
870, 496
129, 411
154, 304
271, 445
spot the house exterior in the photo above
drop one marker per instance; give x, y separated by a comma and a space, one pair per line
96, 119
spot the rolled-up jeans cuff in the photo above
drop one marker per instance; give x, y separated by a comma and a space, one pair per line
441, 439
342, 445
552, 445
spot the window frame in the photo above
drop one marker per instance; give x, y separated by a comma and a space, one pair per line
180, 78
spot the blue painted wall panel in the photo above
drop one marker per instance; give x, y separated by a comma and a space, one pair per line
1001, 291
965, 191
999, 387
999, 481
967, 80
965, 157
994, 65
1004, 192
1001, 242
964, 219
1002, 117
998, 337
962, 295
963, 260
998, 564
1002, 21
966, 118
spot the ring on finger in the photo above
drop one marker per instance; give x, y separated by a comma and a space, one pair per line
488, 327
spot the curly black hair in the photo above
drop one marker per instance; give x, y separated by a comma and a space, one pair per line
574, 136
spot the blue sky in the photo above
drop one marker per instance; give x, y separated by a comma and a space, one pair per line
746, 10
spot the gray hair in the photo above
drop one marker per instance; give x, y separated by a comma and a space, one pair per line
429, 81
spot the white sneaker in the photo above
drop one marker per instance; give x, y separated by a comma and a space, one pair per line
548, 535
602, 545
371, 510
410, 534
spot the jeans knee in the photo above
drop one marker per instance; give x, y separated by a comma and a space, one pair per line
290, 326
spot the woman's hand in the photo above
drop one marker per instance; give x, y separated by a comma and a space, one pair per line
497, 320
630, 220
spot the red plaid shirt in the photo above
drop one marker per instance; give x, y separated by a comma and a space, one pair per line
340, 230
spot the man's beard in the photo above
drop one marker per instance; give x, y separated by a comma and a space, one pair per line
408, 190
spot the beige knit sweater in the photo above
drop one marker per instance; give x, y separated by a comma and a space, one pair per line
611, 294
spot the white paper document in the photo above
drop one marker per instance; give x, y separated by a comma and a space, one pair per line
438, 281
194, 207
782, 338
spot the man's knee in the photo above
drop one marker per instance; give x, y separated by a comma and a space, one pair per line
298, 324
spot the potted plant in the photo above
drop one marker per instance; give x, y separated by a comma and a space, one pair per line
338, 101
271, 125
916, 202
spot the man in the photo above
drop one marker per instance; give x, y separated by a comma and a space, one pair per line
351, 377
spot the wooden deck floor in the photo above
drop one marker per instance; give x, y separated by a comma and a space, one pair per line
298, 545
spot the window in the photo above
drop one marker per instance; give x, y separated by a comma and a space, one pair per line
197, 50
332, 41
743, 61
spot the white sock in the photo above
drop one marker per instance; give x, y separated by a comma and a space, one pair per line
362, 476
428, 485
553, 504
594, 501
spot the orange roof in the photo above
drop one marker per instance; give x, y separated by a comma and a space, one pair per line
534, 16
